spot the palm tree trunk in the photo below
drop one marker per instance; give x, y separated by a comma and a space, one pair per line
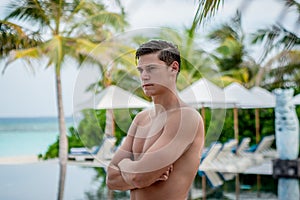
110, 123
63, 141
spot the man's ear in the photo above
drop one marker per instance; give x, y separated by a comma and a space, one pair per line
175, 66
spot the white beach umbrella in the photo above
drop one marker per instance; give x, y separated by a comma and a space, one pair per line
114, 97
245, 99
204, 93
266, 99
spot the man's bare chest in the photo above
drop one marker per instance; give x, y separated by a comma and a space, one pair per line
147, 133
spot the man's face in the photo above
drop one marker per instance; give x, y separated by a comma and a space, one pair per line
155, 74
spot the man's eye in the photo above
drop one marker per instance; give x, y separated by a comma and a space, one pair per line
150, 68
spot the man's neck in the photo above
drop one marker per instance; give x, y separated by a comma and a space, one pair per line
166, 101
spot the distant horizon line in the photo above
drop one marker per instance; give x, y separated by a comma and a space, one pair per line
42, 116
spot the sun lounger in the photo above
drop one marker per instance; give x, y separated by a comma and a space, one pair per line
209, 156
258, 153
205, 168
243, 146
102, 153
227, 161
265, 147
83, 150
213, 178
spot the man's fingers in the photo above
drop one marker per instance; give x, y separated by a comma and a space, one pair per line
171, 168
163, 178
166, 174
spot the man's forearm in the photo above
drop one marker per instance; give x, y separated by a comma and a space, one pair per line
141, 180
115, 180
128, 177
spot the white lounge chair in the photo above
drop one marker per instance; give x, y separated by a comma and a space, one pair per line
206, 168
243, 146
261, 151
212, 177
227, 161
265, 147
211, 154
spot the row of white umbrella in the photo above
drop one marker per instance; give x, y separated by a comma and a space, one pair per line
204, 93
200, 94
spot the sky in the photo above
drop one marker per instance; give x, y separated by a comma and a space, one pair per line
27, 94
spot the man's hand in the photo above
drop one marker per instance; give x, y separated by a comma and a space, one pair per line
166, 174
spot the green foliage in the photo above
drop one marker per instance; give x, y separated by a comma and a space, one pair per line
53, 149
91, 128
13, 37
246, 124
123, 119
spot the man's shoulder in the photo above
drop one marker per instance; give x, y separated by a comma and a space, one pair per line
142, 115
189, 111
186, 115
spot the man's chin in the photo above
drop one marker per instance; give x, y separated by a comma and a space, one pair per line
148, 93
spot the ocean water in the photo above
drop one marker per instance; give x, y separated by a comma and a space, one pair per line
32, 136
35, 181
28, 136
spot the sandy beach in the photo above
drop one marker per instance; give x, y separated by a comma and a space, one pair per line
12, 160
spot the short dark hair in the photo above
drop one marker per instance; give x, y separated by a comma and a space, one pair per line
168, 52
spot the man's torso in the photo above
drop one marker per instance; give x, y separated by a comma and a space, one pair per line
150, 128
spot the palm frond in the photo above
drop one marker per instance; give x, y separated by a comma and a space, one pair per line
14, 37
106, 17
54, 50
274, 37
293, 4
206, 9
28, 10
76, 7
96, 25
30, 52
280, 69
25, 54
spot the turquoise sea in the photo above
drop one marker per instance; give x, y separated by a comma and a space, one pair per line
27, 136
32, 136
39, 181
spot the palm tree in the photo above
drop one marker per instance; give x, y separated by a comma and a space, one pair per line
231, 55
57, 30
282, 69
285, 62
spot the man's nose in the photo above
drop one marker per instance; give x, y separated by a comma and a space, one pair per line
145, 75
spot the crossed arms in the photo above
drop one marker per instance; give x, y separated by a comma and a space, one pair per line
126, 173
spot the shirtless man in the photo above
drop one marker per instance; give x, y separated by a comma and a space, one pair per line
161, 154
